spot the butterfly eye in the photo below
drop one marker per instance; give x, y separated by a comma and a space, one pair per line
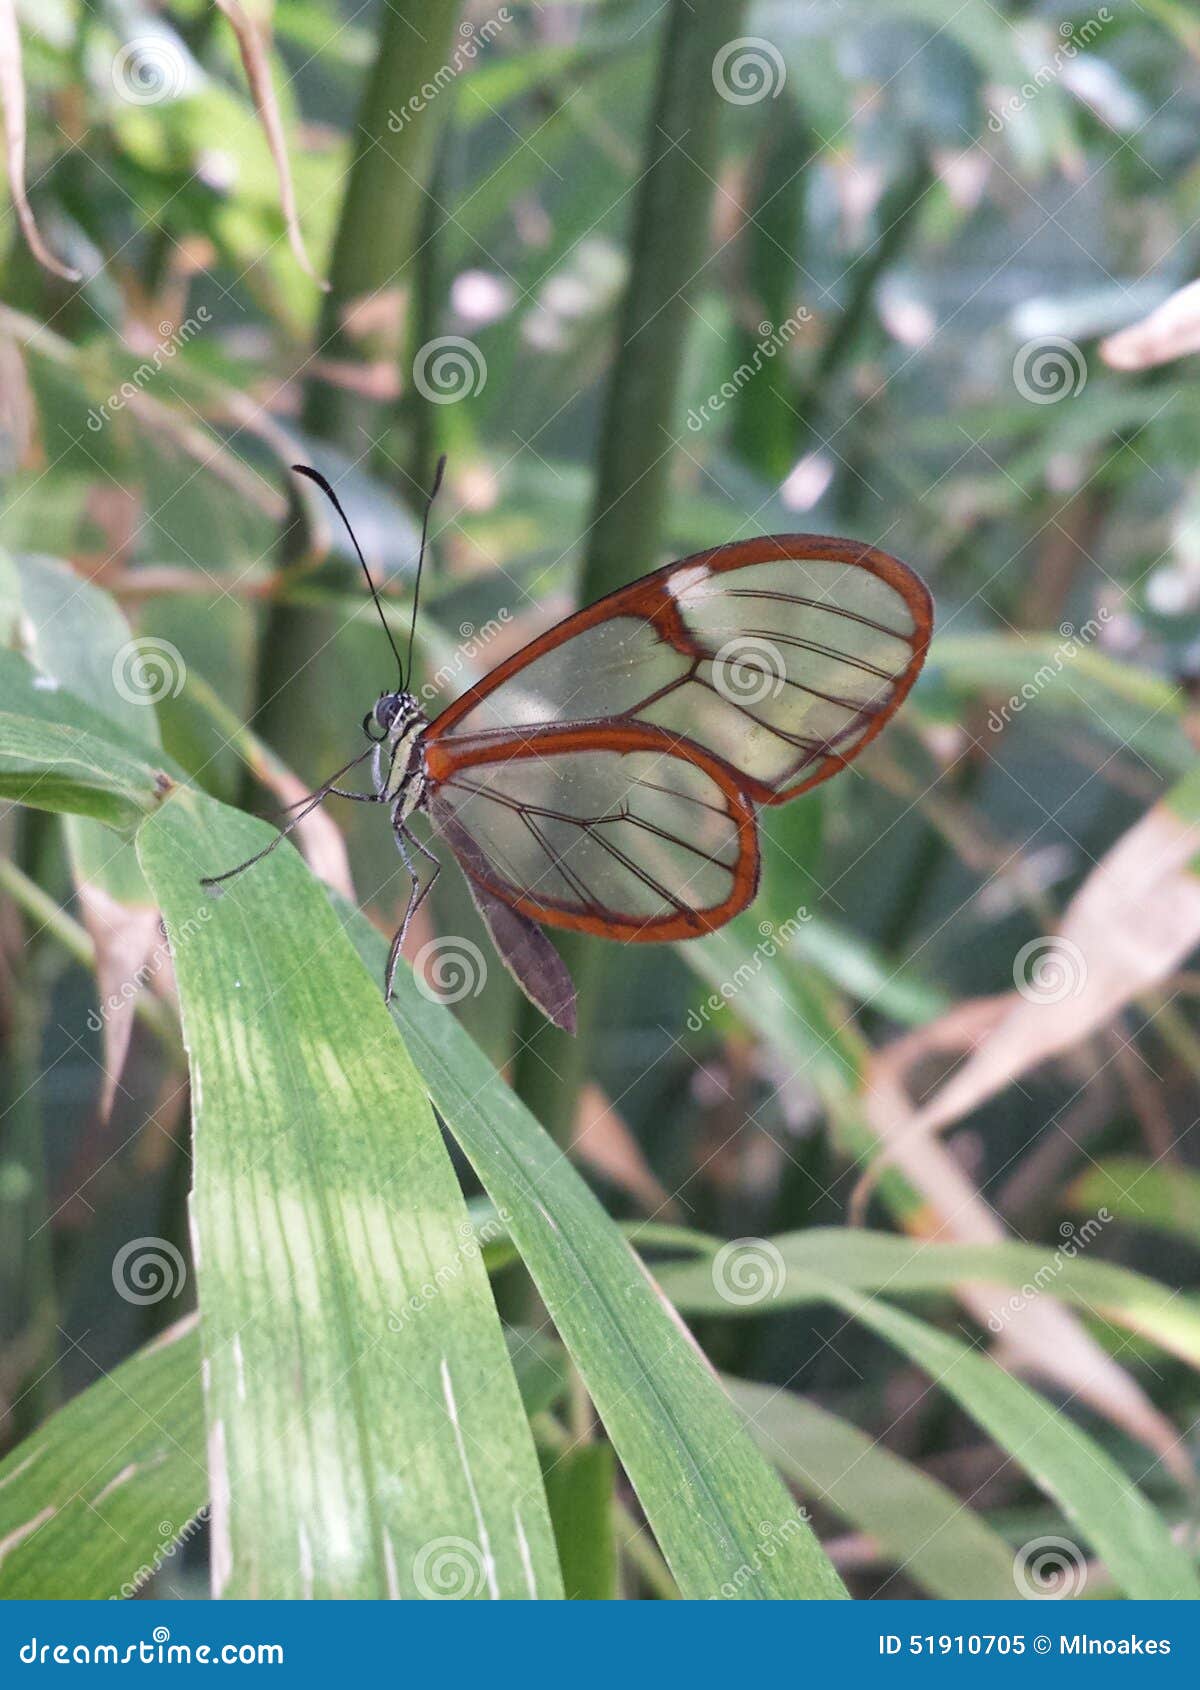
368, 725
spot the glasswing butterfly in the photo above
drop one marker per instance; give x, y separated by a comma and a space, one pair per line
606, 777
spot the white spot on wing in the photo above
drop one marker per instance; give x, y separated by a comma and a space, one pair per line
690, 586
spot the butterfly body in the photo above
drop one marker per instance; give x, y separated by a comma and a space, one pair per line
398, 766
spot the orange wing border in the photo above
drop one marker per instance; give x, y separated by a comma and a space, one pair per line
444, 761
650, 598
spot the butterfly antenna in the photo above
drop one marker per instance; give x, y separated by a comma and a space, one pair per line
430, 497
315, 475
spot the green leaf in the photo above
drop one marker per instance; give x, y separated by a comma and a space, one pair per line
579, 1489
365, 1433
1161, 1195
883, 1262
1129, 1536
705, 1490
96, 1499
931, 1535
56, 753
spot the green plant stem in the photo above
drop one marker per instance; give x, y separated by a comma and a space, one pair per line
640, 423
634, 1540
363, 321
77, 942
382, 213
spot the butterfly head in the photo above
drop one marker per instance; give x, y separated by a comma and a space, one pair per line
395, 713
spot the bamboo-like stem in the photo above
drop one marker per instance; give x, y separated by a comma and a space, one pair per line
395, 135
641, 423
75, 939
364, 315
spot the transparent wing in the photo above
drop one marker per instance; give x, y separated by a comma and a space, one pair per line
603, 830
781, 657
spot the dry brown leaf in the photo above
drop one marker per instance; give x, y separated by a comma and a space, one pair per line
1043, 1337
126, 937
1170, 331
605, 1143
12, 92
1130, 925
252, 45
1127, 929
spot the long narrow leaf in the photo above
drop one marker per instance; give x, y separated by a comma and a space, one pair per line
712, 1502
882, 1262
96, 1500
365, 1433
935, 1539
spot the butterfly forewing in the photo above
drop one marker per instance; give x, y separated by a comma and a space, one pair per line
780, 656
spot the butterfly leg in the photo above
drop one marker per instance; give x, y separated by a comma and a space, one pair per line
416, 896
308, 805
